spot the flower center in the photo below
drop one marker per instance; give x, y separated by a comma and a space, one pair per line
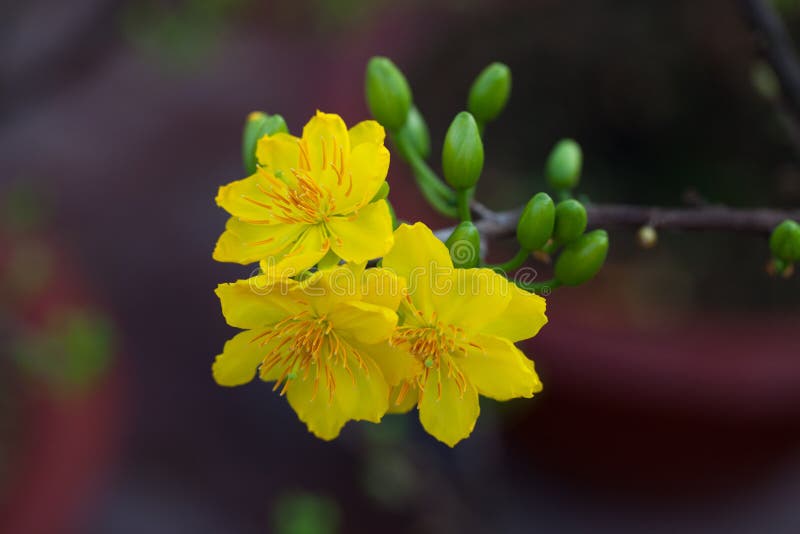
307, 345
434, 344
305, 201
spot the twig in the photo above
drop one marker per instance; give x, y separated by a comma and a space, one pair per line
777, 47
706, 218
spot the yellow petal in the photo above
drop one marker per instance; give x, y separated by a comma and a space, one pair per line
364, 236
362, 396
278, 153
245, 198
470, 298
396, 364
367, 132
363, 322
448, 414
326, 139
248, 243
239, 359
420, 258
407, 403
382, 287
309, 249
257, 302
366, 171
522, 319
499, 369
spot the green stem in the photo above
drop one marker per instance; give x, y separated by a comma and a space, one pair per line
436, 192
563, 194
550, 248
513, 263
539, 287
463, 197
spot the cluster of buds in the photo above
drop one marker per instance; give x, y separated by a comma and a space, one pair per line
545, 228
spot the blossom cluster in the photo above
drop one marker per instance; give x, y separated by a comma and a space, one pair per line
349, 317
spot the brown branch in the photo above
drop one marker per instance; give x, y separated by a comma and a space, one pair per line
704, 218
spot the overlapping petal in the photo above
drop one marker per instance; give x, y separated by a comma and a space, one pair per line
420, 258
446, 412
499, 369
363, 236
360, 394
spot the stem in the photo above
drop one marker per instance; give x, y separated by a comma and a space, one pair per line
436, 192
497, 224
513, 263
463, 198
539, 287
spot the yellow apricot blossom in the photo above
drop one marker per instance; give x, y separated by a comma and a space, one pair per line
461, 325
322, 342
310, 196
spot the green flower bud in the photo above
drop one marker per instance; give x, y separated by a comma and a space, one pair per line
489, 92
785, 241
382, 193
536, 223
570, 221
257, 126
388, 93
415, 132
563, 168
582, 259
464, 245
462, 154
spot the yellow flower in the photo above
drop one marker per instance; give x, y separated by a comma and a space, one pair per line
322, 341
461, 325
309, 196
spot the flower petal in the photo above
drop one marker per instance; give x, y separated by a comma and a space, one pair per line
396, 364
239, 359
522, 319
363, 322
366, 171
248, 243
451, 415
245, 198
499, 369
278, 153
470, 298
364, 236
362, 396
257, 302
367, 132
420, 258
407, 403
327, 141
309, 249
382, 287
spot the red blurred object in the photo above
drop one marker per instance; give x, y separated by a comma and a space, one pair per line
707, 403
65, 439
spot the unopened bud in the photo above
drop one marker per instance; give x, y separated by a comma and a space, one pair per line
563, 167
257, 126
570, 221
785, 241
582, 259
388, 93
536, 223
489, 92
462, 154
464, 245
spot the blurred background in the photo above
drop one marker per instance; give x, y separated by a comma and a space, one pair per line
672, 381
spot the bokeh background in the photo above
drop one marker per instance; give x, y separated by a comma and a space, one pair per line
672, 381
